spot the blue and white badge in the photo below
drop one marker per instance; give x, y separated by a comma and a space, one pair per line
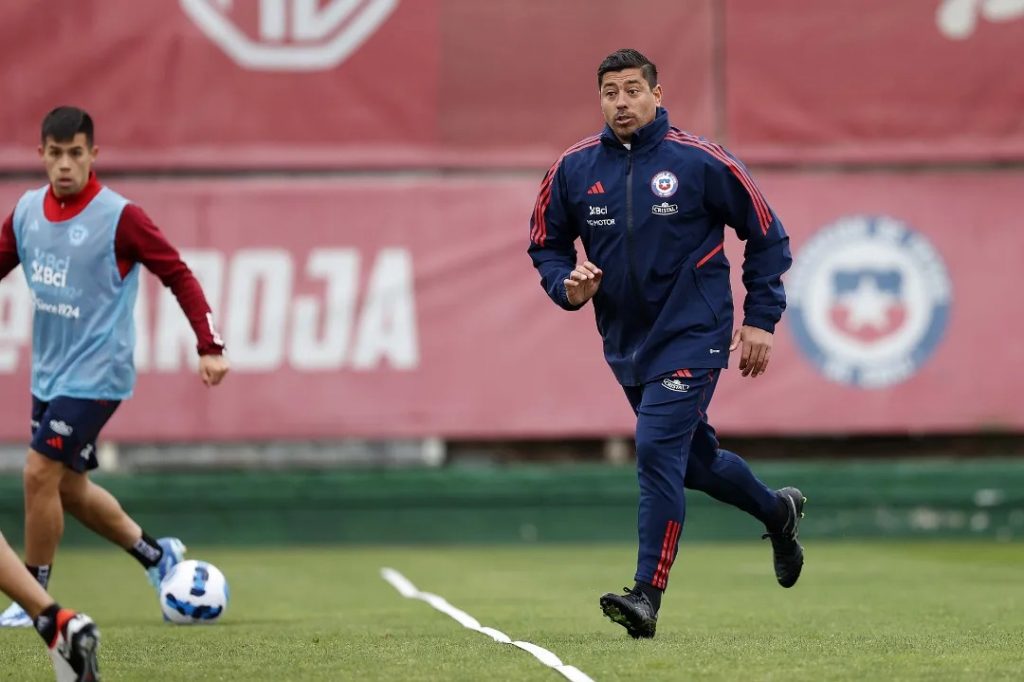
664, 184
77, 234
869, 301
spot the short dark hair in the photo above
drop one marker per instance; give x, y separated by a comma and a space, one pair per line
628, 59
63, 123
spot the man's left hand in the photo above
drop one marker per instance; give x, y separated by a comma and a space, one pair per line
757, 349
212, 368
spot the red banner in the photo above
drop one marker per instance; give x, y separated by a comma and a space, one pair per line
875, 80
317, 84
408, 307
894, 321
372, 307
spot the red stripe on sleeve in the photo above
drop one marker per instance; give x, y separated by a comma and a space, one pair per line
540, 229
764, 215
760, 204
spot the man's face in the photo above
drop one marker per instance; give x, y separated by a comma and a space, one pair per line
628, 102
68, 163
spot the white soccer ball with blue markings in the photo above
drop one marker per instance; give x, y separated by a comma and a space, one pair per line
194, 592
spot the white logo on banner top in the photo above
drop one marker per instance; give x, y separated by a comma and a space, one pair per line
958, 19
869, 301
292, 35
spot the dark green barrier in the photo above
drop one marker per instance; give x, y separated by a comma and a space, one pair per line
586, 502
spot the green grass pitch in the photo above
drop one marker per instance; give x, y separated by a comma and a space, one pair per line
861, 611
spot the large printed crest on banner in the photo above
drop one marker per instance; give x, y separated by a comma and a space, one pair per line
288, 35
869, 301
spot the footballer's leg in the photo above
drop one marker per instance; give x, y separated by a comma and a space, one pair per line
63, 429
44, 516
18, 584
100, 512
71, 638
666, 414
35, 477
725, 476
787, 552
57, 427
95, 507
44, 526
635, 610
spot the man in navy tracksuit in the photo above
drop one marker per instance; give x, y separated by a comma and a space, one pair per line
650, 204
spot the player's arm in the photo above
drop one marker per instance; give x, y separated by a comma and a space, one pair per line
141, 241
552, 241
731, 194
9, 258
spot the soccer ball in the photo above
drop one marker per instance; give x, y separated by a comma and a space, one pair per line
194, 592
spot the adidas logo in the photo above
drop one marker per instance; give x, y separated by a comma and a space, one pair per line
596, 188
56, 442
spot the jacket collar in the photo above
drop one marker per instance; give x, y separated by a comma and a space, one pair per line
645, 137
58, 209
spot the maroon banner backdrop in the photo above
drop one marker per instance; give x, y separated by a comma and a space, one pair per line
408, 307
313, 84
875, 80
336, 83
900, 301
397, 83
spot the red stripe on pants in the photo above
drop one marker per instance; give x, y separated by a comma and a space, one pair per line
668, 546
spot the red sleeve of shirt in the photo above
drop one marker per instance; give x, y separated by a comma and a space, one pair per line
140, 241
8, 248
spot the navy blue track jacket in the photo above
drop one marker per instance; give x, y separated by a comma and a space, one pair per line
653, 218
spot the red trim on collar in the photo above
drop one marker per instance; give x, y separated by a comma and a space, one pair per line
58, 209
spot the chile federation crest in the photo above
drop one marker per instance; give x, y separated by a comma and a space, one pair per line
869, 299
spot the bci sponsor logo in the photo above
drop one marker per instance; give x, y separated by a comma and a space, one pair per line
600, 222
341, 308
48, 269
288, 35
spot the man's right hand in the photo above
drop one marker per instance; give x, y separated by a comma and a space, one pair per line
212, 368
582, 283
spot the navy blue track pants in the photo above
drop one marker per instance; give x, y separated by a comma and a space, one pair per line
676, 448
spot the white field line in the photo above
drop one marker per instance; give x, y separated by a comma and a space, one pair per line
408, 590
